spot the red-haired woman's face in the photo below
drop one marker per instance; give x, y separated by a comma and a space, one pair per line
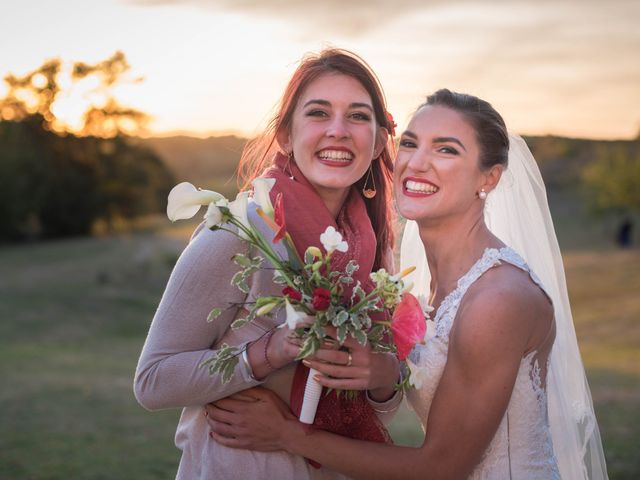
333, 133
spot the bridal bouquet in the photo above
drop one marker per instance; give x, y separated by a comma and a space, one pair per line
311, 287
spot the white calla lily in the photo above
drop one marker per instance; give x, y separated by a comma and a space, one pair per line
238, 209
185, 200
294, 317
417, 375
424, 304
265, 309
408, 286
332, 240
261, 189
314, 252
213, 217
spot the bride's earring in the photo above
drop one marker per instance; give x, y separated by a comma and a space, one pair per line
482, 195
369, 192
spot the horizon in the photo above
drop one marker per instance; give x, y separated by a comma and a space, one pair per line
551, 68
240, 135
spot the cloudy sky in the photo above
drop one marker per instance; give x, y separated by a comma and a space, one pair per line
568, 67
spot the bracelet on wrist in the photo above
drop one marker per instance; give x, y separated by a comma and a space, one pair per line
386, 406
245, 359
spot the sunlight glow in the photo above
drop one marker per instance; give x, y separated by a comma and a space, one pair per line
210, 69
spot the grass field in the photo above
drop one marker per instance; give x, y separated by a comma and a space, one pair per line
74, 315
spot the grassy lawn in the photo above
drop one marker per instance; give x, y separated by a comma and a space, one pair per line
74, 315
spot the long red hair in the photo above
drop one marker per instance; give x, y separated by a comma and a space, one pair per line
259, 153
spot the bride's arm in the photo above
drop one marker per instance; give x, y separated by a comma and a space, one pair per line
491, 334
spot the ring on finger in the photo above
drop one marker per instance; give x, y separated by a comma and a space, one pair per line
349, 360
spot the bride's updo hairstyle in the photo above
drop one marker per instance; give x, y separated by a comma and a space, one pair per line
491, 131
260, 152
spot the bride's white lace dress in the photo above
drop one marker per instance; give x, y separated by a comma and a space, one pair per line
522, 447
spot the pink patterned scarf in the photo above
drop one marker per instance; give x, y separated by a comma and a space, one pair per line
307, 217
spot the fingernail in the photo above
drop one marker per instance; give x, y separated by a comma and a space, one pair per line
306, 363
210, 434
206, 414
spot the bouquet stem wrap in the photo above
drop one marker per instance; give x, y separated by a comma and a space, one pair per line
312, 393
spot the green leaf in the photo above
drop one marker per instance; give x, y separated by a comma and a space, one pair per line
351, 267
340, 318
241, 260
239, 323
239, 280
265, 300
357, 292
292, 254
280, 279
317, 329
311, 345
308, 258
256, 263
228, 370
252, 314
360, 336
224, 362
342, 333
213, 314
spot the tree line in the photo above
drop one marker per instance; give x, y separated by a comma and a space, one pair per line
56, 183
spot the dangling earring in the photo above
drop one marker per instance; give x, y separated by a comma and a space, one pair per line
289, 157
482, 195
369, 192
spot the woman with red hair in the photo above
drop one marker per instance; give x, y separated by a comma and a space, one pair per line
329, 150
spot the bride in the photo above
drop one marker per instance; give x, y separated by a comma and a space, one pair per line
500, 388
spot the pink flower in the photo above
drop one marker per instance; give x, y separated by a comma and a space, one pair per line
292, 293
321, 299
391, 125
408, 325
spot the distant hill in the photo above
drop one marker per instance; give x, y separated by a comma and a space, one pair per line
211, 162
206, 162
562, 160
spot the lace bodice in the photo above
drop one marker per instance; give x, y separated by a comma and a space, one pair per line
521, 448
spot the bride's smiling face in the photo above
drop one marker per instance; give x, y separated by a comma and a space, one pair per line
437, 172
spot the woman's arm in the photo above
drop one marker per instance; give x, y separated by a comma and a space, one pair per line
489, 338
180, 337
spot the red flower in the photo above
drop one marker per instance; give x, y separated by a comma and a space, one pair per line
321, 299
391, 125
292, 293
408, 325
278, 218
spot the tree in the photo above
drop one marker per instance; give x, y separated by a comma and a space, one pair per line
613, 179
37, 91
57, 183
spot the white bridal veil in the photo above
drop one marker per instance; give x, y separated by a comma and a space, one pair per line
518, 213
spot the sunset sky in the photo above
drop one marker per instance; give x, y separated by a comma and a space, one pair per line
566, 67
